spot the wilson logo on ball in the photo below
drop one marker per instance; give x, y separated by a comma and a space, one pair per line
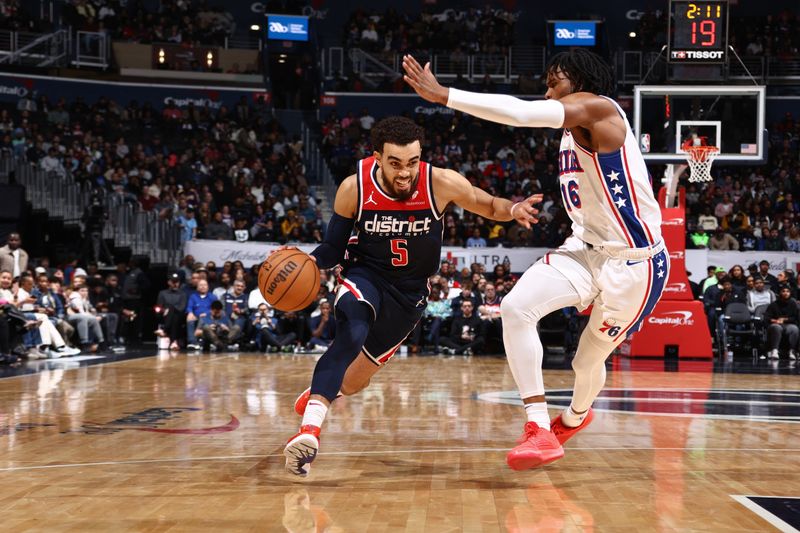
281, 276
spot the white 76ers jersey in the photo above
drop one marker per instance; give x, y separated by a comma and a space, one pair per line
608, 196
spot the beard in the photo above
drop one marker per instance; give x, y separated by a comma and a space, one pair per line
404, 194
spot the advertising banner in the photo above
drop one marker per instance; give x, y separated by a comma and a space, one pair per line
571, 33
13, 87
382, 105
287, 27
253, 253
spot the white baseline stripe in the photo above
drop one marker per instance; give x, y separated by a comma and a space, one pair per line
384, 452
763, 513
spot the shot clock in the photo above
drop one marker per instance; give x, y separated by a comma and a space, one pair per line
698, 31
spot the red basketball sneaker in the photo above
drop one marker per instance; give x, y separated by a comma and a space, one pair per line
302, 401
564, 433
538, 448
301, 450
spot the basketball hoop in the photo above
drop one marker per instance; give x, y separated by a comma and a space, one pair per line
700, 159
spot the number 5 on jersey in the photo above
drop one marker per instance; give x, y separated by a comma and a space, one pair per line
399, 252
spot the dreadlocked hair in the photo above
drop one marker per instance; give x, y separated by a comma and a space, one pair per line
587, 71
396, 130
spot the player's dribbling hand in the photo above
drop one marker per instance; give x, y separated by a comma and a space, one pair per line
423, 81
524, 212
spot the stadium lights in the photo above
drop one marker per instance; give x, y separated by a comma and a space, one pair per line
209, 59
255, 27
632, 35
161, 56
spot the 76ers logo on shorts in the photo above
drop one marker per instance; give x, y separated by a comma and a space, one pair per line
610, 328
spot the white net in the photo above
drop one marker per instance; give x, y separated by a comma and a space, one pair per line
700, 159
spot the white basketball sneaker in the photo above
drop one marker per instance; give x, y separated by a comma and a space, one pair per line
301, 450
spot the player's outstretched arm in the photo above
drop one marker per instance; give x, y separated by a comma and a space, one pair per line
574, 110
450, 186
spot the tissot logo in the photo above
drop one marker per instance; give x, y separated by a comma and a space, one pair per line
673, 222
696, 54
672, 318
777, 406
389, 225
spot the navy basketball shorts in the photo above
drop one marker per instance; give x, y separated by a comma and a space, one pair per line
396, 313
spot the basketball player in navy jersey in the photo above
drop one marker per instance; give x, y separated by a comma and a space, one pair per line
615, 259
395, 203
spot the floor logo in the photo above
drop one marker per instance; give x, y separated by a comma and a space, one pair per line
729, 404
151, 420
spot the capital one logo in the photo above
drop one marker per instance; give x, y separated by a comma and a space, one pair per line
672, 318
19, 92
673, 222
277, 27
563, 33
675, 287
677, 255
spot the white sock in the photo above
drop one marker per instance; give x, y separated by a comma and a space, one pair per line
572, 419
537, 412
315, 413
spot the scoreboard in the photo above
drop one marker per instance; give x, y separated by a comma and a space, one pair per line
698, 31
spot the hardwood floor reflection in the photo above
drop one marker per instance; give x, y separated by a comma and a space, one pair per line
187, 443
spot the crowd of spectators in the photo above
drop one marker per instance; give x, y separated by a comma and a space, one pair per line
459, 32
222, 173
214, 307
751, 208
180, 22
55, 311
768, 304
14, 18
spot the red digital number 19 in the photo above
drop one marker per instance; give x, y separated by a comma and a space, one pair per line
708, 28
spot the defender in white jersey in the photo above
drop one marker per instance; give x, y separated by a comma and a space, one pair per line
615, 259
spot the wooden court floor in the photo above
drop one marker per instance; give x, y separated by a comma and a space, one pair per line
193, 443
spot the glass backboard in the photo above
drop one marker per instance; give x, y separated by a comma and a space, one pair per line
667, 118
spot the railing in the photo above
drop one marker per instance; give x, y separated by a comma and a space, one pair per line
92, 49
34, 49
58, 192
633, 65
57, 49
316, 164
242, 41
374, 67
783, 69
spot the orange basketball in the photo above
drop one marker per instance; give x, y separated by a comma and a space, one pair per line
289, 280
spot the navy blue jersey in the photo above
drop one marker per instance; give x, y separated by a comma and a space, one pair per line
400, 240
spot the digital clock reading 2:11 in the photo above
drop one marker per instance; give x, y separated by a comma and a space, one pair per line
699, 31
